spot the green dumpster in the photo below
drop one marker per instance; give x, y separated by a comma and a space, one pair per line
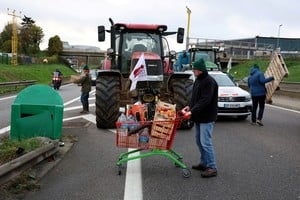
37, 111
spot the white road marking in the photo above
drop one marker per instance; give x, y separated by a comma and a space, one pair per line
133, 183
76, 107
4, 130
286, 109
78, 98
90, 117
10, 97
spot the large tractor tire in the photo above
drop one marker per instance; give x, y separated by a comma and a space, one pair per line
107, 101
182, 93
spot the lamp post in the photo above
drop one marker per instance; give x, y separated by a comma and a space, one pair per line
278, 36
188, 27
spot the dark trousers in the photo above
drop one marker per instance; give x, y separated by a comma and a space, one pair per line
258, 101
85, 100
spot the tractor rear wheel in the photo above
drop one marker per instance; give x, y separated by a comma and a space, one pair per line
182, 93
107, 101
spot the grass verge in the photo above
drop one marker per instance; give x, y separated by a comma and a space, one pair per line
11, 149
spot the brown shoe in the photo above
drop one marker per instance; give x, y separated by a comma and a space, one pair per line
209, 172
199, 167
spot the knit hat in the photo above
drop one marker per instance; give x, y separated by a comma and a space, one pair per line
85, 67
199, 65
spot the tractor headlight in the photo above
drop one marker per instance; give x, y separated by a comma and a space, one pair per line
148, 98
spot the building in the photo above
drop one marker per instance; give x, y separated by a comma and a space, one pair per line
246, 48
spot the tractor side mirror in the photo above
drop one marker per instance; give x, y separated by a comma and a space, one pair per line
101, 33
180, 35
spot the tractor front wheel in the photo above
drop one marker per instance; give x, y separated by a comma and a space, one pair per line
107, 101
182, 93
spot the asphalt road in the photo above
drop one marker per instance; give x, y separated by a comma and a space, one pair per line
253, 162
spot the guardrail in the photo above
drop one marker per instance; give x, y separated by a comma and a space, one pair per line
18, 83
15, 167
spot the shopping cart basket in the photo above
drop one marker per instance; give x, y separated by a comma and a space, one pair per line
155, 137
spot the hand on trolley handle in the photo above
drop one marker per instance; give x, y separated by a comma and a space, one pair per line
185, 113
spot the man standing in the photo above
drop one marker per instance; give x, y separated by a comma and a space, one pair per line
203, 111
256, 83
86, 86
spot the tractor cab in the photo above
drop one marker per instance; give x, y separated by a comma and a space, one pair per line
128, 39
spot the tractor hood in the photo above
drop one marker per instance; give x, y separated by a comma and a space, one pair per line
153, 63
147, 55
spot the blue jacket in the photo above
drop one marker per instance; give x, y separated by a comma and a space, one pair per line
182, 60
257, 81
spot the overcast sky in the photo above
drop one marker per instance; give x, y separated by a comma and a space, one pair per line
76, 21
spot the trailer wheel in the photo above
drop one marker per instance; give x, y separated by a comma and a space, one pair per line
182, 89
107, 101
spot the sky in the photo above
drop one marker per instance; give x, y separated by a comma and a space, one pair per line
76, 21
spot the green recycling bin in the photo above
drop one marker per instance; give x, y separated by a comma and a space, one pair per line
37, 111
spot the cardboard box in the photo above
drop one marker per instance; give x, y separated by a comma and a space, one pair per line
74, 78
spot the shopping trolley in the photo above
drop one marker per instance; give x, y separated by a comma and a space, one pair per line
155, 137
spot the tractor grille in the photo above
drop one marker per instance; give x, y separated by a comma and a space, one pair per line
154, 67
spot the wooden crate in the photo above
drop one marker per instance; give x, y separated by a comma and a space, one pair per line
162, 129
278, 70
157, 143
163, 123
74, 78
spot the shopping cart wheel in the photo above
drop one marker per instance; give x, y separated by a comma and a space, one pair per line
186, 173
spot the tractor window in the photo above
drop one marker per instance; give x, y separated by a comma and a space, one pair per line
149, 41
207, 56
165, 47
137, 41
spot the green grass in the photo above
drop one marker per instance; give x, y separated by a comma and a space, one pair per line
242, 70
40, 72
8, 151
8, 148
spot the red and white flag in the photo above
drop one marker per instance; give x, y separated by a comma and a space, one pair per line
139, 73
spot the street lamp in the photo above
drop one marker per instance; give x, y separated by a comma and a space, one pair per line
188, 27
278, 36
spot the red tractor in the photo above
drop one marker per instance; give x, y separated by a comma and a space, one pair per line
128, 43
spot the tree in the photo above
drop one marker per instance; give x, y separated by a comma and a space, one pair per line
30, 36
55, 45
27, 21
5, 38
